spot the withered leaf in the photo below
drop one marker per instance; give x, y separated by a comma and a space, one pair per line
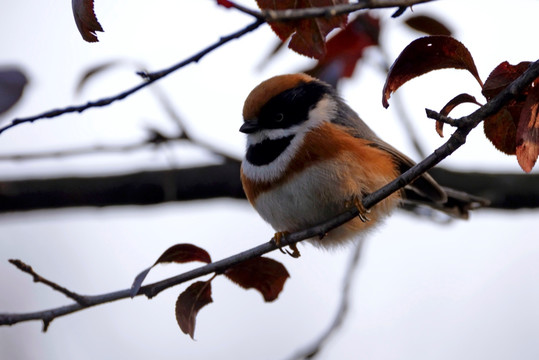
501, 130
179, 253
453, 103
514, 129
528, 131
424, 55
428, 25
12, 84
182, 253
263, 274
189, 303
346, 48
83, 11
502, 76
307, 35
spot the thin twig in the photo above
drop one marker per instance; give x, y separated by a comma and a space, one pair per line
261, 18
334, 10
40, 279
431, 114
150, 78
223, 40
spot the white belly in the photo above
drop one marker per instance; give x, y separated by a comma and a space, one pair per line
310, 198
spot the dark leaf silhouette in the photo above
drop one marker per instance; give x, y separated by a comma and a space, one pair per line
179, 253
428, 25
12, 84
263, 274
83, 11
307, 36
182, 253
515, 125
424, 55
189, 303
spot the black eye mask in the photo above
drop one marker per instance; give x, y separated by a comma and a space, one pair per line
291, 107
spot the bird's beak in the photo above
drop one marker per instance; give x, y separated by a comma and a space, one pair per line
250, 126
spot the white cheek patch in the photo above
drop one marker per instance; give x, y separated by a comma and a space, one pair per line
323, 112
277, 167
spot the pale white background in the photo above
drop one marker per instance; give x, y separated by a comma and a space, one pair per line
467, 290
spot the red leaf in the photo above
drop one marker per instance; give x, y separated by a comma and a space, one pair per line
179, 253
182, 253
263, 274
528, 131
502, 76
501, 130
345, 49
424, 55
12, 83
453, 103
428, 25
513, 126
189, 303
307, 35
226, 3
83, 11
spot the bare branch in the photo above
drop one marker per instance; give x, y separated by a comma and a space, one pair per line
431, 114
38, 278
261, 18
149, 79
330, 11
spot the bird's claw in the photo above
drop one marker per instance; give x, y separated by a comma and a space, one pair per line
356, 201
277, 240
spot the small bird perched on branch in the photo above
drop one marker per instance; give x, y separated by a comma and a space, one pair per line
309, 157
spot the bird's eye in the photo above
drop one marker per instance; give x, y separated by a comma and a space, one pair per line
279, 117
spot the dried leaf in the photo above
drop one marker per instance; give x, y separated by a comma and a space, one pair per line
501, 130
182, 253
225, 3
179, 253
427, 25
501, 76
189, 303
12, 84
263, 274
307, 35
453, 103
346, 48
528, 131
424, 55
83, 11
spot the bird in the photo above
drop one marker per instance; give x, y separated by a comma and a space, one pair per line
309, 157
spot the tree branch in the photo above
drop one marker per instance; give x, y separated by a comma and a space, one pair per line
261, 18
143, 188
455, 141
149, 79
335, 10
503, 190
